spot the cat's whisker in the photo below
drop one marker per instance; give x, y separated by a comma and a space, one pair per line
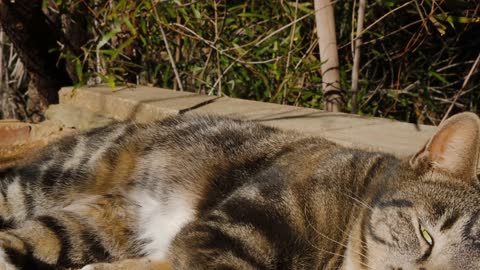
327, 237
359, 201
334, 241
351, 235
336, 254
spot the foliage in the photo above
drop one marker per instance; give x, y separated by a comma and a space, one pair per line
13, 81
415, 58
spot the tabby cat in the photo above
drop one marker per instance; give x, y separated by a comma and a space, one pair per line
204, 192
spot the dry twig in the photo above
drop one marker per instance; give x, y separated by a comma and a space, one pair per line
467, 79
170, 57
289, 54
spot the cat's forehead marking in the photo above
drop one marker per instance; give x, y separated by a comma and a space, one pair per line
397, 203
450, 221
472, 229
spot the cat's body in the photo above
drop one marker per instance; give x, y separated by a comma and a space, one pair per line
215, 193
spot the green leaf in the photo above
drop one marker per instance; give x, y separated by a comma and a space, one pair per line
130, 26
457, 19
438, 77
108, 52
123, 46
253, 15
44, 4
196, 13
79, 70
106, 38
111, 81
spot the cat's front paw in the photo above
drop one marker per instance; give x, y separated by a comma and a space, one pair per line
7, 266
4, 262
13, 243
98, 266
17, 248
130, 264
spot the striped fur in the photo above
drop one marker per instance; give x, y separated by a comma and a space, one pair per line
214, 193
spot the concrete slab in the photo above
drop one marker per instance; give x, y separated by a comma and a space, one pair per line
141, 104
13, 132
19, 140
145, 104
346, 129
399, 138
288, 117
72, 116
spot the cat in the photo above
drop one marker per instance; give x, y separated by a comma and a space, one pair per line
206, 192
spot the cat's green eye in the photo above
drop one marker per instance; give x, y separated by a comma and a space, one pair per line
426, 235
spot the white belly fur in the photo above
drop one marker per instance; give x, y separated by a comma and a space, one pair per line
160, 220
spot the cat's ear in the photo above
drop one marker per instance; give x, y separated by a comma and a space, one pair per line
454, 148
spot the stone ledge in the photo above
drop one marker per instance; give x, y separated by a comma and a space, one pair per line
19, 140
141, 104
13, 132
144, 104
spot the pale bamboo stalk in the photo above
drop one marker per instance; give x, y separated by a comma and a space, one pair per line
356, 55
325, 21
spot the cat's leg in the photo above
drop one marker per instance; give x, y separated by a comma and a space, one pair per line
81, 234
215, 242
130, 264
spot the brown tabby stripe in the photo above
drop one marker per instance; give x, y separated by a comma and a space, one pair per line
468, 230
450, 221
364, 226
396, 203
54, 241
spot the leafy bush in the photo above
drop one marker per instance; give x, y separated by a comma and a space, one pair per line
415, 58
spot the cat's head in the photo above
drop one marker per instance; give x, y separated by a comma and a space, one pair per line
426, 216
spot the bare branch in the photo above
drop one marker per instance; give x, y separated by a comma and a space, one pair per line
467, 79
170, 56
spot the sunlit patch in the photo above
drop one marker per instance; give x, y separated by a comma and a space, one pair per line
426, 235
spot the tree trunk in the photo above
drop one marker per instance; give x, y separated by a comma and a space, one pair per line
327, 41
36, 42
